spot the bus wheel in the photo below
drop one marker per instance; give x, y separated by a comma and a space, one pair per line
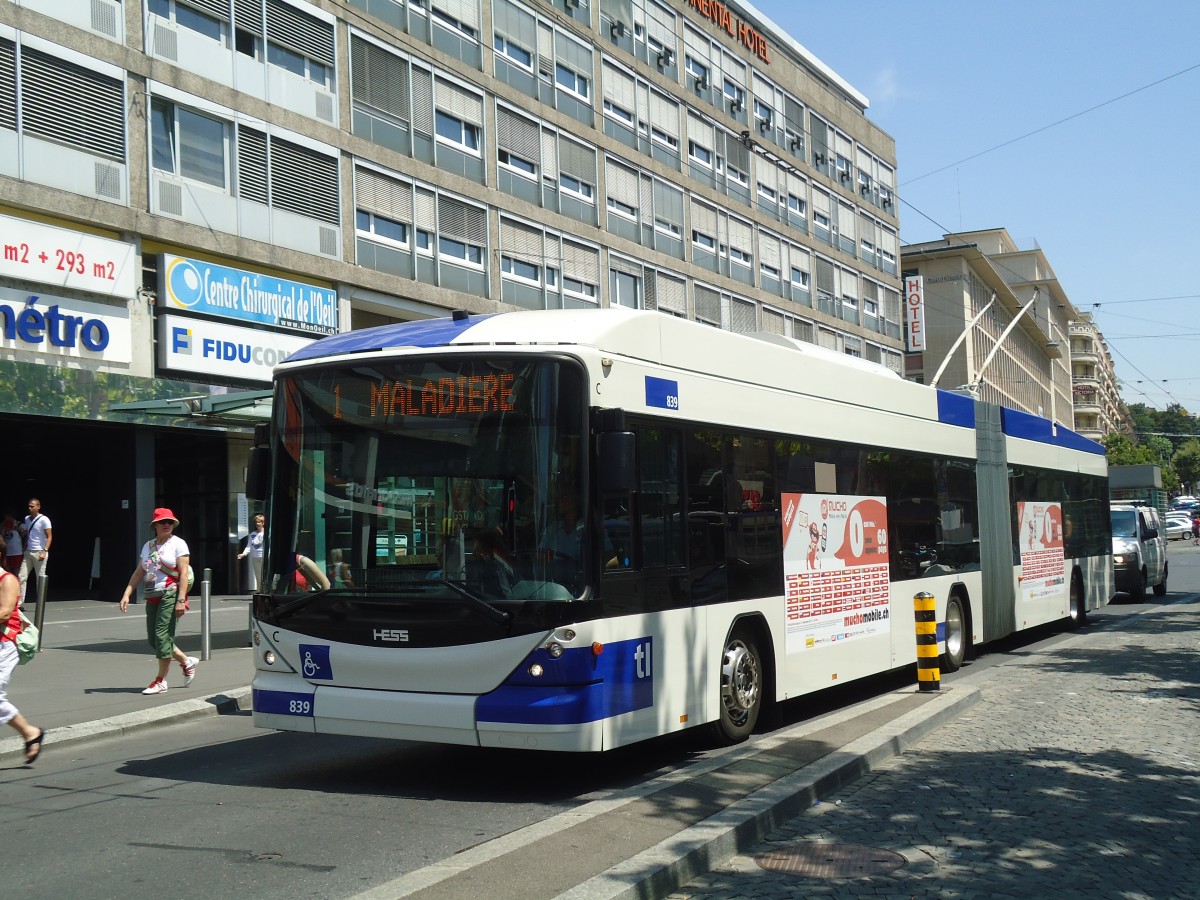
1139, 590
956, 636
741, 689
1078, 607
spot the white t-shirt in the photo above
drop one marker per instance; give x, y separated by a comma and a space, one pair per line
36, 528
255, 544
155, 555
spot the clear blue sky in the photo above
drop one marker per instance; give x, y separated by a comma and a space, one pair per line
1111, 196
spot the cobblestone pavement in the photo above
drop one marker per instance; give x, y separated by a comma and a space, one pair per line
1077, 775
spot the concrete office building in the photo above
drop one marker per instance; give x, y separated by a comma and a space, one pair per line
195, 188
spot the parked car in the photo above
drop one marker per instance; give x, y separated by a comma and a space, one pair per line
1177, 528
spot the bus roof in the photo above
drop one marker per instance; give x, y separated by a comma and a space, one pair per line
656, 338
637, 333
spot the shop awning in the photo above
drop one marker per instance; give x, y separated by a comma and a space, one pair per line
242, 407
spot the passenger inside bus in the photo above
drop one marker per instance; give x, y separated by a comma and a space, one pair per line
490, 567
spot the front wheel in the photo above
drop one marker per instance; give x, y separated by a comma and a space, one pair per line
1160, 589
956, 636
741, 688
1138, 593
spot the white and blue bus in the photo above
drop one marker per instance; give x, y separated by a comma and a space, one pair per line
575, 530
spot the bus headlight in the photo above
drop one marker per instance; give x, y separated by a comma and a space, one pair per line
269, 657
566, 635
536, 670
555, 649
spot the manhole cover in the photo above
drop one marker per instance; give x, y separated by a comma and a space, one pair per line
830, 860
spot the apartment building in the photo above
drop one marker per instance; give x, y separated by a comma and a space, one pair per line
1006, 303
1099, 409
203, 186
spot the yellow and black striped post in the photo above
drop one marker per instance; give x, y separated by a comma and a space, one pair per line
929, 673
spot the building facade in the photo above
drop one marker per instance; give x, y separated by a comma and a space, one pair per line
977, 284
198, 187
1099, 409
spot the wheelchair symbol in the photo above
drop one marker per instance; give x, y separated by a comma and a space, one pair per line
310, 667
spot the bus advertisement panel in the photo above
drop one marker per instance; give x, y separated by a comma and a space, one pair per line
835, 567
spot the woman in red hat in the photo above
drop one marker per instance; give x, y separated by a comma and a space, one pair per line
165, 571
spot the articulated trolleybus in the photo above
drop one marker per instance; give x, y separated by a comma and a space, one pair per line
574, 530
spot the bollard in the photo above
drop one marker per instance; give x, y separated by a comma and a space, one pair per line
206, 616
39, 617
929, 673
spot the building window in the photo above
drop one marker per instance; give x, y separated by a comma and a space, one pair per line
622, 209
381, 228
571, 81
453, 24
316, 72
456, 131
523, 271
700, 239
188, 144
189, 18
572, 185
579, 289
461, 251
515, 52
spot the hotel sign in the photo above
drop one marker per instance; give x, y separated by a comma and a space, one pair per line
734, 26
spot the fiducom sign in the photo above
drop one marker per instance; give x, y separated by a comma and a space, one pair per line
221, 350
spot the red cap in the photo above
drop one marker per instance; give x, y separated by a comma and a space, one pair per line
162, 514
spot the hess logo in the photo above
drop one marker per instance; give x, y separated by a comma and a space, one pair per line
396, 635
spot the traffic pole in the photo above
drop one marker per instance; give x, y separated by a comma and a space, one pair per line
206, 616
929, 673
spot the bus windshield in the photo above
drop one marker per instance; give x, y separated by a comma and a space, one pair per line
445, 477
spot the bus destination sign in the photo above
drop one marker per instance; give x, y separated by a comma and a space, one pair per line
458, 395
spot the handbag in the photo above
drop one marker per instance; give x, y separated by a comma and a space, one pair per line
27, 640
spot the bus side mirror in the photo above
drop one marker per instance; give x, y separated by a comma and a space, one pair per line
616, 459
258, 473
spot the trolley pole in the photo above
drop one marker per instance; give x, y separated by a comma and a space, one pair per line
206, 616
929, 673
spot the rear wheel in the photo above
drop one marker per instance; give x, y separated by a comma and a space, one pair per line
957, 638
741, 688
1078, 611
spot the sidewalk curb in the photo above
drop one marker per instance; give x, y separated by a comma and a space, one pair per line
225, 703
661, 870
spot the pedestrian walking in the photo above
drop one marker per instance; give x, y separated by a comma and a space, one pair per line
1196, 528
165, 571
254, 549
37, 533
14, 547
9, 657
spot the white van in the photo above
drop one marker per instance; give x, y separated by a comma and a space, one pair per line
1139, 546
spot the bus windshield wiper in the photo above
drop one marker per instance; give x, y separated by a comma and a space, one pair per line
495, 614
294, 606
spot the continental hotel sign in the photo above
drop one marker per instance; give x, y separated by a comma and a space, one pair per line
723, 17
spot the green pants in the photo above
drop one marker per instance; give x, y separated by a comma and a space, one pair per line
160, 624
